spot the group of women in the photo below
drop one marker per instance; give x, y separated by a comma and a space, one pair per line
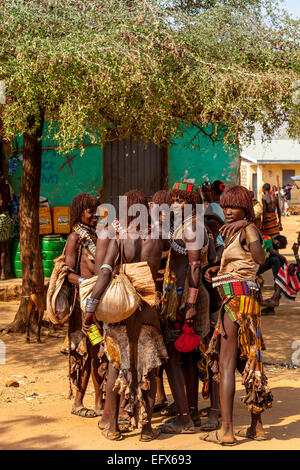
204, 322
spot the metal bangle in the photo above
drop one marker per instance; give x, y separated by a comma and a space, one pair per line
91, 305
106, 266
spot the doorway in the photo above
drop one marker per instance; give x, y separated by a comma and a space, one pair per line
129, 164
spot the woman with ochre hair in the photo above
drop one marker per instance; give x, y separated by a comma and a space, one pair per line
237, 341
217, 189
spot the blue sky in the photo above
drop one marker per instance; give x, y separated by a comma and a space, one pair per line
292, 6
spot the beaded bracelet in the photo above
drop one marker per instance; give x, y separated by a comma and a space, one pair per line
189, 305
179, 290
194, 263
296, 257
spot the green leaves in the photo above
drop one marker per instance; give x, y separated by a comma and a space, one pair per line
103, 69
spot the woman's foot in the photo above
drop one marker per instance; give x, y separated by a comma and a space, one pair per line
112, 436
83, 412
212, 421
270, 302
148, 435
159, 406
217, 437
170, 410
182, 424
252, 433
256, 430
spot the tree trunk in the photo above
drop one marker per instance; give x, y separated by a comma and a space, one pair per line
31, 257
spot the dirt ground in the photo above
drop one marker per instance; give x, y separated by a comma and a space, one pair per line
36, 415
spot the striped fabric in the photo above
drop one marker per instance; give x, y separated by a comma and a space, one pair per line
288, 283
270, 225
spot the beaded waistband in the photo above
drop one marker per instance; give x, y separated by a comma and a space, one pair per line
236, 288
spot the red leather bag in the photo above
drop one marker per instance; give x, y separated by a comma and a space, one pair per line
188, 340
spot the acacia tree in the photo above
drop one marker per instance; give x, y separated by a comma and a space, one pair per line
101, 69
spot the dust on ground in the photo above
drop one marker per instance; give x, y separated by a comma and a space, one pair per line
36, 415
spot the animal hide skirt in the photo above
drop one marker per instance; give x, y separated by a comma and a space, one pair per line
79, 351
135, 350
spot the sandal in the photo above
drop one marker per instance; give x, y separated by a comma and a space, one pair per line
84, 412
149, 437
171, 428
214, 437
247, 433
203, 413
112, 436
169, 410
197, 421
270, 303
102, 425
212, 423
125, 425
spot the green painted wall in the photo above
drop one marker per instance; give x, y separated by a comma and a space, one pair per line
62, 176
205, 162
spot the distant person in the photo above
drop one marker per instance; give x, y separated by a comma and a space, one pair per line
274, 259
206, 193
282, 200
258, 211
271, 226
216, 190
287, 282
287, 190
5, 222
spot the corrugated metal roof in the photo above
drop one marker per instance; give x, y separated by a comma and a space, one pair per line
276, 151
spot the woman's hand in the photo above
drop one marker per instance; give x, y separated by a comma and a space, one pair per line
190, 313
211, 272
230, 229
292, 269
295, 248
87, 322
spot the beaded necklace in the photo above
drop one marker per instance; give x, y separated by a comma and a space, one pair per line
85, 232
173, 235
119, 229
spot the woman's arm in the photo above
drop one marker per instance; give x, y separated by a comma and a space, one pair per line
195, 243
71, 251
101, 249
253, 241
103, 280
